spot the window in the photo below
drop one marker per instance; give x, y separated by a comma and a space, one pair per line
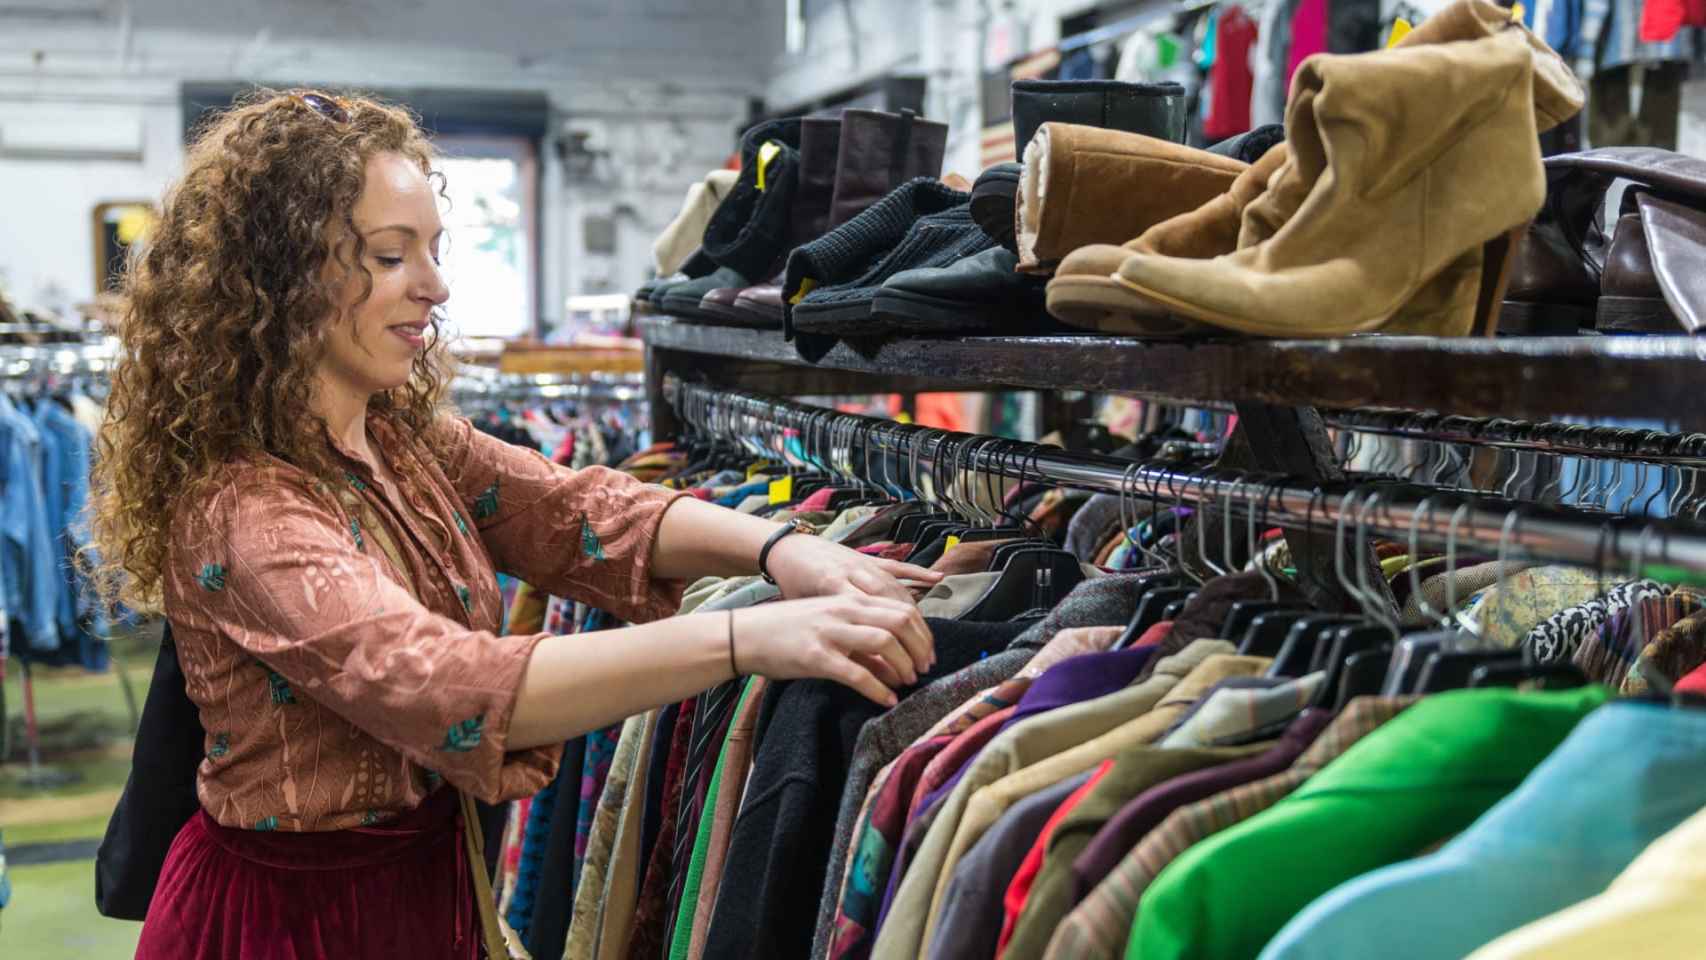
490, 259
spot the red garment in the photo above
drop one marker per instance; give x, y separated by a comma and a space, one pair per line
818, 501
1694, 682
401, 889
1230, 79
1019, 890
1155, 635
876, 549
1308, 35
957, 754
1661, 19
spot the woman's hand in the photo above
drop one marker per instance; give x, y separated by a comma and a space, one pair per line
808, 566
869, 643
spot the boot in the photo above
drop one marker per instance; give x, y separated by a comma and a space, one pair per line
1084, 185
1365, 212
749, 231
808, 219
1084, 294
1152, 109
880, 151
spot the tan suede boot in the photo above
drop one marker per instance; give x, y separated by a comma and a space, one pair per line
1406, 161
1084, 294
1084, 185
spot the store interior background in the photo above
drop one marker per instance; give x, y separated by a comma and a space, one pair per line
577, 126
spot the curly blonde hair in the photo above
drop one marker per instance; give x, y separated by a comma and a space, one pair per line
226, 308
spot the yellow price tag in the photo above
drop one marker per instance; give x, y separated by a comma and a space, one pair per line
952, 543
757, 469
766, 154
1400, 27
1517, 12
806, 286
782, 490
903, 417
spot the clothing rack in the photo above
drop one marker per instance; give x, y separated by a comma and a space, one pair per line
483, 383
1439, 517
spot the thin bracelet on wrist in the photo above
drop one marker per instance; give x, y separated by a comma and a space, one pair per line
732, 667
792, 526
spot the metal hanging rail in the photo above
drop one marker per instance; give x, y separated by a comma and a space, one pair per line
1436, 517
1554, 439
474, 382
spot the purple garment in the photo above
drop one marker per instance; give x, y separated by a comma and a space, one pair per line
1074, 680
1125, 829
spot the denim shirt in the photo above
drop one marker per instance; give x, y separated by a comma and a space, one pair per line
27, 556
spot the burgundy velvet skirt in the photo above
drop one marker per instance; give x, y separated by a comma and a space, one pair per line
400, 889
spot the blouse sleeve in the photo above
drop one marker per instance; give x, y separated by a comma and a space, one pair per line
584, 534
277, 573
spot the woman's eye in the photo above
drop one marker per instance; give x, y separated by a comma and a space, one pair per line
389, 261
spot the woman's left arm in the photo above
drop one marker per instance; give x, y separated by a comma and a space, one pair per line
698, 539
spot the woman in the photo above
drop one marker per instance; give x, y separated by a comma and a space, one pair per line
276, 477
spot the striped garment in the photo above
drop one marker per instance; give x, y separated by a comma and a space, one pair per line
1099, 926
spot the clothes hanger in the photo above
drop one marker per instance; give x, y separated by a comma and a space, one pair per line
1244, 612
1410, 654
1268, 632
1296, 657
1153, 605
1451, 667
1379, 630
993, 516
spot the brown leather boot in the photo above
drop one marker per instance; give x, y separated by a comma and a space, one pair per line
879, 151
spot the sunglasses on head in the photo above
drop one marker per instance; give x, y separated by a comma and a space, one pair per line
324, 106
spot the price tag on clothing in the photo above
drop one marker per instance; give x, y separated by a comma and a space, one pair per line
766, 154
952, 543
782, 490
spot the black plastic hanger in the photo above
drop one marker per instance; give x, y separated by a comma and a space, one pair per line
1451, 669
1550, 676
1348, 642
1032, 579
1362, 675
1296, 656
1178, 606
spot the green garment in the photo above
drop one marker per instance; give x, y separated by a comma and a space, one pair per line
1134, 771
683, 939
1422, 777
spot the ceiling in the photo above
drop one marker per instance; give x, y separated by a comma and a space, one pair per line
614, 38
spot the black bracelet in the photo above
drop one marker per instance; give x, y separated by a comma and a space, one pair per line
791, 526
732, 668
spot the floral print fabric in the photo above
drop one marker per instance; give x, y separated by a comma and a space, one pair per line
342, 644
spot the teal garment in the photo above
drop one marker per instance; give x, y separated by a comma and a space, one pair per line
1422, 777
1628, 774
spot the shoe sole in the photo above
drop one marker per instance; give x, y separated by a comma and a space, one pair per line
1526, 318
1636, 315
918, 313
732, 316
1106, 306
841, 319
686, 307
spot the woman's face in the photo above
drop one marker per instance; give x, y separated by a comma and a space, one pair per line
373, 343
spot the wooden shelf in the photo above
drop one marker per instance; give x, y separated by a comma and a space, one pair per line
1538, 378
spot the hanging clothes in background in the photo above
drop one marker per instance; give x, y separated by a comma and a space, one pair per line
1230, 80
45, 457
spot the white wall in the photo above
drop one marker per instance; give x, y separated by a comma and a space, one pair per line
662, 128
